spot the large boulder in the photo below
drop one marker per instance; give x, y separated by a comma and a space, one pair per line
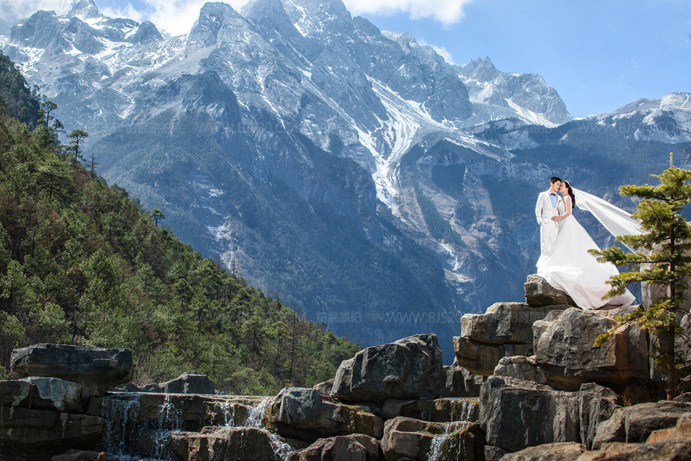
505, 329
595, 405
521, 367
56, 394
97, 370
355, 447
305, 414
517, 414
229, 444
635, 423
460, 382
538, 292
16, 393
561, 451
410, 368
564, 349
32, 434
412, 439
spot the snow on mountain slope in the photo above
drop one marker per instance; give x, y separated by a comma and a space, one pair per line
667, 119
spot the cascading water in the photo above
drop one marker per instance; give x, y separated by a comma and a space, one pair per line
117, 413
141, 426
468, 411
451, 444
255, 419
138, 429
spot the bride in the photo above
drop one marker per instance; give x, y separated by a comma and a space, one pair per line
569, 266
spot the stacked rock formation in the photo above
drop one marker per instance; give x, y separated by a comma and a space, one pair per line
43, 413
550, 393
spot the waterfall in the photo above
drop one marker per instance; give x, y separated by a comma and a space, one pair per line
136, 428
117, 413
451, 443
140, 425
255, 419
469, 409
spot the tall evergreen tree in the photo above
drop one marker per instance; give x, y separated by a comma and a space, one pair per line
662, 258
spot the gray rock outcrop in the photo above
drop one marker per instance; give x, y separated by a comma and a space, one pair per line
227, 443
355, 447
516, 414
634, 424
97, 370
412, 439
564, 349
29, 434
56, 394
560, 451
303, 413
460, 382
410, 368
540, 293
505, 329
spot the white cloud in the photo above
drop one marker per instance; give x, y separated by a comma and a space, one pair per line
126, 11
173, 16
445, 11
178, 16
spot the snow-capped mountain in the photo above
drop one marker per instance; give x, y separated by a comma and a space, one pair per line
352, 171
666, 120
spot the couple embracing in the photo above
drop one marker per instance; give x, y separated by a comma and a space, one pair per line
565, 262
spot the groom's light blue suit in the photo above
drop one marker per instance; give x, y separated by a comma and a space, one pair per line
544, 212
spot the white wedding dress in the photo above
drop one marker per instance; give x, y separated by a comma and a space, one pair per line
569, 267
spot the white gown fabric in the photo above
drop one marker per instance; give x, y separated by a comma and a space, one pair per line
569, 267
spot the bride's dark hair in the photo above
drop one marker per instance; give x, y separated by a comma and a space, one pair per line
573, 197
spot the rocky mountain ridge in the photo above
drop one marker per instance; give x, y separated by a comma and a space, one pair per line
350, 170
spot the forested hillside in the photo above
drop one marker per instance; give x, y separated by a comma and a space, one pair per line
81, 263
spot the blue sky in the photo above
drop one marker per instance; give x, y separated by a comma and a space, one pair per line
598, 54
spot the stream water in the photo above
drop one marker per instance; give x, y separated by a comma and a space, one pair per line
139, 426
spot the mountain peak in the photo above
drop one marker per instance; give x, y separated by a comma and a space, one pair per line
212, 18
318, 17
480, 69
84, 9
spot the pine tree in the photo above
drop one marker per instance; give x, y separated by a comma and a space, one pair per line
157, 215
76, 137
662, 258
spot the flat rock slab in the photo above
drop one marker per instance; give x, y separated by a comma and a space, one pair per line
97, 370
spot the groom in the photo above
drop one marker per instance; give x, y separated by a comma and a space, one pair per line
546, 207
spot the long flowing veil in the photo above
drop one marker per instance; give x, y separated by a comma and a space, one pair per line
616, 221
